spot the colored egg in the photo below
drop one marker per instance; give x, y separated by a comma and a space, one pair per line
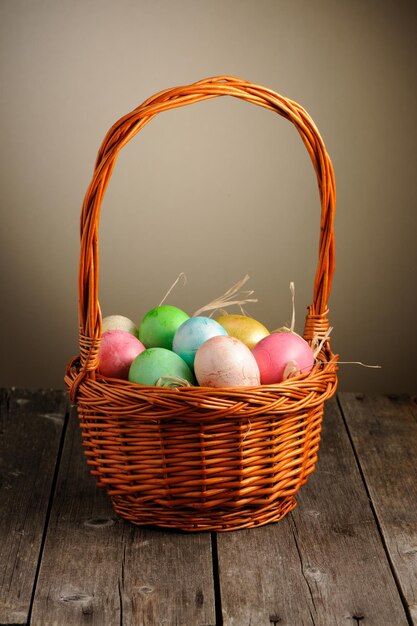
244, 328
225, 362
280, 354
155, 363
118, 349
192, 334
159, 326
119, 322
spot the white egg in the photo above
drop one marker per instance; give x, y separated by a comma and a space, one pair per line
119, 322
225, 362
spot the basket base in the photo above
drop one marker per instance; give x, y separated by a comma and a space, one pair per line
199, 521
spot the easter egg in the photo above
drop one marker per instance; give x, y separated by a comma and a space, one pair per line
119, 322
224, 361
159, 326
192, 333
155, 363
244, 328
118, 349
278, 354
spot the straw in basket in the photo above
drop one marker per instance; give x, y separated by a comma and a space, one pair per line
197, 458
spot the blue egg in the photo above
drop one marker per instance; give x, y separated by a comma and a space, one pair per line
192, 334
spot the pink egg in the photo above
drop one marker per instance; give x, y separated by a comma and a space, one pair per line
279, 354
224, 361
118, 350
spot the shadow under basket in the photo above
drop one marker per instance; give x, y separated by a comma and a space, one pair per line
199, 458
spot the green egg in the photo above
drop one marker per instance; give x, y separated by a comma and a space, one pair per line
156, 363
159, 326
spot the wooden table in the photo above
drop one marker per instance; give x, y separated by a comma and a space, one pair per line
346, 555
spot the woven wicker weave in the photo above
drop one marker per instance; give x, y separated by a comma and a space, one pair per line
200, 458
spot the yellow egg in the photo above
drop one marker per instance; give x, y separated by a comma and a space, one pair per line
244, 328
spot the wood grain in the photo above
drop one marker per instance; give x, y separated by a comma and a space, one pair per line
324, 564
31, 424
100, 570
384, 433
346, 555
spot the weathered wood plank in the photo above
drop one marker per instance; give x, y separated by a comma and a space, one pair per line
384, 434
324, 564
31, 425
100, 570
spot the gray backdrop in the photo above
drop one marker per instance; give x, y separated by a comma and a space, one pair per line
215, 190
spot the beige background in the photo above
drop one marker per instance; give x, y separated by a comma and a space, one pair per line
216, 190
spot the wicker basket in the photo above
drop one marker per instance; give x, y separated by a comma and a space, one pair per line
199, 458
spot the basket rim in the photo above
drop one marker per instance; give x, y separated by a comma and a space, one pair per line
314, 387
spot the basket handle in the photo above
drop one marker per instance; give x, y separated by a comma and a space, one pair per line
128, 126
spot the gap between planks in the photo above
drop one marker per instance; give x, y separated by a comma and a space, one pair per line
49, 509
31, 423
